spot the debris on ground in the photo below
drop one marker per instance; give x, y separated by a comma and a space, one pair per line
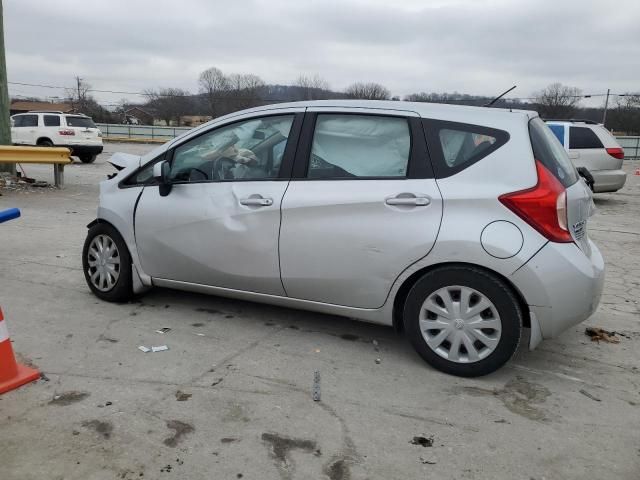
160, 348
144, 349
316, 386
182, 396
163, 330
427, 461
378, 361
597, 334
422, 441
21, 183
588, 395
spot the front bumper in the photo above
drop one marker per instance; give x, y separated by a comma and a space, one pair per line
608, 180
562, 286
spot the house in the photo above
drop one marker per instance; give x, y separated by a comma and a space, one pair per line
23, 107
135, 115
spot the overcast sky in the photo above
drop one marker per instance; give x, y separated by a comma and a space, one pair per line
469, 46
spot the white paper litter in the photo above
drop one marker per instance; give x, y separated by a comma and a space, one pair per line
160, 348
144, 349
163, 330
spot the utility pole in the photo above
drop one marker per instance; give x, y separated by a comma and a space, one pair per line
606, 104
5, 126
78, 80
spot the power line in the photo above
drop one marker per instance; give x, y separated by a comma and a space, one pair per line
146, 94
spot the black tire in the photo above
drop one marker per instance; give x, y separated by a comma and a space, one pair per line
489, 285
45, 142
122, 290
87, 158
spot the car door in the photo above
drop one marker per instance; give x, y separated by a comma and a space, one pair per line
24, 129
361, 207
219, 224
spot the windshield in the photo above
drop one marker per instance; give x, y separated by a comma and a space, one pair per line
548, 150
82, 122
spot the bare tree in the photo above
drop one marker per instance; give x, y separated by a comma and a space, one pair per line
79, 96
244, 90
557, 100
368, 91
312, 87
625, 116
169, 103
215, 85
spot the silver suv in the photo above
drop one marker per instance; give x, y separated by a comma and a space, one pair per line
458, 225
591, 145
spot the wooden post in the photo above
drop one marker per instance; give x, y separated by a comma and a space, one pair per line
5, 126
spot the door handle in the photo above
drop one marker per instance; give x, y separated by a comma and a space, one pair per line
256, 202
411, 201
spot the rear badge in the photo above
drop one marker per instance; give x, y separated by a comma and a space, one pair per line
579, 228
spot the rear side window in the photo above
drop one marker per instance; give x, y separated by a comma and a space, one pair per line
583, 137
455, 146
82, 122
51, 121
347, 146
25, 121
547, 150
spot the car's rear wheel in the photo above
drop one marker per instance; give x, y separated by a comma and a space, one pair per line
107, 264
45, 142
87, 158
463, 320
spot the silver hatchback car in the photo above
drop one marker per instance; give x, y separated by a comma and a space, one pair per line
460, 226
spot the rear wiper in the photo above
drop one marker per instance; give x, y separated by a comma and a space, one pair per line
586, 174
498, 97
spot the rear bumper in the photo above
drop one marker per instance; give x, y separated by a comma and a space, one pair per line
84, 149
561, 285
608, 180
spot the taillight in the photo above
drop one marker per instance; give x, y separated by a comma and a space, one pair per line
66, 131
616, 152
544, 206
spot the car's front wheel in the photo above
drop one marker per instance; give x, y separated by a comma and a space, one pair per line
107, 264
463, 320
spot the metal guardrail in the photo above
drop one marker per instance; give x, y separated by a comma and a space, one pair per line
114, 130
631, 146
56, 156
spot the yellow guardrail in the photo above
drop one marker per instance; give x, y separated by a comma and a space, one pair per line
51, 155
56, 156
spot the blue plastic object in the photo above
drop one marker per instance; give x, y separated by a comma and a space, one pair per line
9, 214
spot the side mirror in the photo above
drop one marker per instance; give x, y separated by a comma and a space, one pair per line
161, 174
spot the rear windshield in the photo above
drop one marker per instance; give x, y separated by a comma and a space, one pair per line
82, 122
547, 149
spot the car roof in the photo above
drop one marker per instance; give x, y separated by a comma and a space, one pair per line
422, 108
572, 121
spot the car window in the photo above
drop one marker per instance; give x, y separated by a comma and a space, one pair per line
51, 121
246, 150
550, 153
25, 121
346, 146
558, 131
82, 122
460, 146
582, 138
455, 146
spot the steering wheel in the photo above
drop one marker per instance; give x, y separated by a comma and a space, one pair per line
222, 168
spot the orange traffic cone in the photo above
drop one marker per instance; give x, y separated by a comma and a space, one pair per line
12, 374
